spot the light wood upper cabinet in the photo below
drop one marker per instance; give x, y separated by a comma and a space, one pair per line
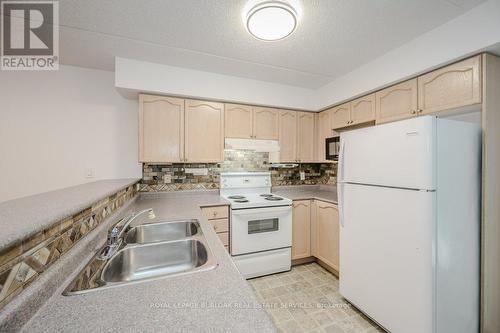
306, 137
397, 102
288, 136
265, 123
341, 116
363, 109
238, 121
204, 131
324, 130
301, 229
327, 233
450, 87
161, 129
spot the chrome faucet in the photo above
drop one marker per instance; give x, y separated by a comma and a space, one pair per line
115, 234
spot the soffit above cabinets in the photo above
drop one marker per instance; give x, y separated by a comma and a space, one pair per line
210, 35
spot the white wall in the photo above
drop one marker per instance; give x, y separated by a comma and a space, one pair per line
465, 35
54, 125
143, 76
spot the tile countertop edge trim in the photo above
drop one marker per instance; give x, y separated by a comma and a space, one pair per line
18, 313
15, 210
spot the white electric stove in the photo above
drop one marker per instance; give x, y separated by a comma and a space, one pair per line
260, 225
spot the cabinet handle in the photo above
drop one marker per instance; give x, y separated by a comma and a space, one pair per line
413, 111
420, 111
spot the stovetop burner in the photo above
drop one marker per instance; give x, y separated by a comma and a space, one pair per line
266, 195
238, 197
271, 198
241, 200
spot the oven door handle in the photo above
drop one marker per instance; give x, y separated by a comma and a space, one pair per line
261, 210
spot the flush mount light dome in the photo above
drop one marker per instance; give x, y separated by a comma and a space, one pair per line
271, 20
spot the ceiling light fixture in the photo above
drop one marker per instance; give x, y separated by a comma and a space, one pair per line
271, 20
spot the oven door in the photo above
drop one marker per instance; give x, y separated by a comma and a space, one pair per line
260, 229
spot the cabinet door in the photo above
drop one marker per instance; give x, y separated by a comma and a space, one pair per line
161, 129
363, 110
204, 139
450, 87
341, 116
238, 121
324, 131
306, 137
265, 123
288, 136
301, 229
327, 229
397, 102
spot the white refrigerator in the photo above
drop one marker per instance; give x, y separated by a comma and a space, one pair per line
409, 205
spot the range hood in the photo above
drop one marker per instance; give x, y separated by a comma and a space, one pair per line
267, 146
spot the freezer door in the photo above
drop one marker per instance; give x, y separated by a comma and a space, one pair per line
399, 154
386, 255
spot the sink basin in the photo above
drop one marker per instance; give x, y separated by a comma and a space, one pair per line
162, 231
152, 260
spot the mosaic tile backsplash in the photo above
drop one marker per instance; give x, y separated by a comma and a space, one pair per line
173, 177
21, 264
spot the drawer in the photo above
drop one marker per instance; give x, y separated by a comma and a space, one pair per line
224, 238
221, 225
219, 212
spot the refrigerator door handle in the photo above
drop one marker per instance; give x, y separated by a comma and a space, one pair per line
341, 183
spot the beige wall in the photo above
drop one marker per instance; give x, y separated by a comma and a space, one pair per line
55, 125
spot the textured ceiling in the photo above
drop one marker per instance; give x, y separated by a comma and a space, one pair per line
333, 36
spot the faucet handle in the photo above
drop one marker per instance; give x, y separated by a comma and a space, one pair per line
113, 235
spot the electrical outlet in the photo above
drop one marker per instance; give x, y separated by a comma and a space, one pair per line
167, 179
302, 175
89, 173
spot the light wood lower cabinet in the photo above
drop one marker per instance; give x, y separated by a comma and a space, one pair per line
397, 102
301, 239
450, 87
218, 216
327, 233
316, 231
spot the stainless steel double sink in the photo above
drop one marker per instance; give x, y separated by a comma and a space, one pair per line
148, 251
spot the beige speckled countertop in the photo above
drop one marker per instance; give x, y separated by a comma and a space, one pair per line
24, 217
304, 192
212, 301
